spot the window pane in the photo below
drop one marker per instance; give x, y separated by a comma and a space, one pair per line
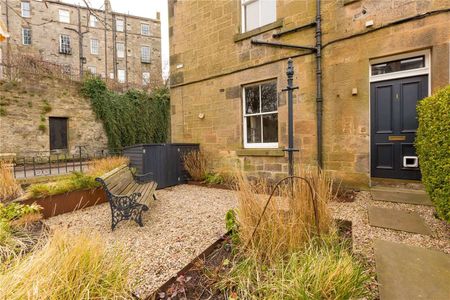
399, 65
269, 97
252, 99
270, 128
254, 129
268, 12
251, 15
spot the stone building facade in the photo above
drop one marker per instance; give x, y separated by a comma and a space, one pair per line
119, 47
378, 59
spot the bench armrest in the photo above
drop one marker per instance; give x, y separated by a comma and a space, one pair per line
143, 178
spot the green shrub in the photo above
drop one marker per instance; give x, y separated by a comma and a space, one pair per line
16, 210
213, 178
134, 117
433, 148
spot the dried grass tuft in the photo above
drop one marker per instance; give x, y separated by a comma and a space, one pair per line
69, 267
289, 220
196, 164
9, 187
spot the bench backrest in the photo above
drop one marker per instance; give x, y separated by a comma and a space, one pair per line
119, 180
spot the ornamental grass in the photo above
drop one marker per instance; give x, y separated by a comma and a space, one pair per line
9, 187
286, 257
69, 267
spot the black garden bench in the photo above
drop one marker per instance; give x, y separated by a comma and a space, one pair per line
128, 194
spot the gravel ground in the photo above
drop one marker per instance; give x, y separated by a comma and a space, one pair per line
183, 222
364, 234
186, 219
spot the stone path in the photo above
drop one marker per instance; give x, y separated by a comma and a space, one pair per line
407, 272
403, 271
398, 220
401, 196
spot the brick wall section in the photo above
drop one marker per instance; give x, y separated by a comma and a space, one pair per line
46, 29
23, 103
209, 67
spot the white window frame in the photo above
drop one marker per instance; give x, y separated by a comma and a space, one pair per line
92, 69
244, 122
149, 54
142, 29
119, 71
63, 17
69, 44
146, 78
244, 3
122, 51
122, 27
25, 12
23, 36
95, 45
93, 21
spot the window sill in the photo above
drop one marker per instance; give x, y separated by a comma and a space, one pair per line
260, 152
245, 35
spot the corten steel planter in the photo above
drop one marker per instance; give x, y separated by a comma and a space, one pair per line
68, 202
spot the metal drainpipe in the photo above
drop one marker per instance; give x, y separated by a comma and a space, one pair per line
319, 99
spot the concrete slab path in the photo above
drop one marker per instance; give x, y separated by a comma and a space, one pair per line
407, 272
398, 220
417, 197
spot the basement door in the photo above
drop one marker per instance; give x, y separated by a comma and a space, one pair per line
394, 125
58, 133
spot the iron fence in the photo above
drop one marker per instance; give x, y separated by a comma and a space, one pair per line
49, 163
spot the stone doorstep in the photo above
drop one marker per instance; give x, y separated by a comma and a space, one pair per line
398, 220
416, 197
407, 272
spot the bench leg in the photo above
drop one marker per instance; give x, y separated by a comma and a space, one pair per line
154, 197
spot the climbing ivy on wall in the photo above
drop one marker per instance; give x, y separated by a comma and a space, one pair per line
129, 118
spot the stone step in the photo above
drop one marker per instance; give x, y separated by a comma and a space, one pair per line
398, 220
407, 272
416, 197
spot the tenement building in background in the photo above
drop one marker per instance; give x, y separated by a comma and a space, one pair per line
354, 115
115, 46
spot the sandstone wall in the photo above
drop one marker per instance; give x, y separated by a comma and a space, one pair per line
211, 61
23, 103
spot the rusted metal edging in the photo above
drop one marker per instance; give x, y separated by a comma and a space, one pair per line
186, 268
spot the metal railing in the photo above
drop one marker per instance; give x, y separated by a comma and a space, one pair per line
60, 162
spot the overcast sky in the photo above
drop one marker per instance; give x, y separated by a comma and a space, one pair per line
143, 8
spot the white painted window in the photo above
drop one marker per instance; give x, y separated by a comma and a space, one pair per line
64, 44
119, 25
93, 21
26, 36
145, 54
257, 13
94, 46
145, 78
260, 115
25, 8
121, 75
64, 16
120, 48
145, 29
92, 70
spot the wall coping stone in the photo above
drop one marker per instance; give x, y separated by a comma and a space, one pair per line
260, 152
242, 36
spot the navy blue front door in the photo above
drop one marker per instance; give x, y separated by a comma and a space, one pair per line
394, 125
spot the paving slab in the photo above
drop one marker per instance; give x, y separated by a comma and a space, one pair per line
407, 272
401, 196
398, 220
